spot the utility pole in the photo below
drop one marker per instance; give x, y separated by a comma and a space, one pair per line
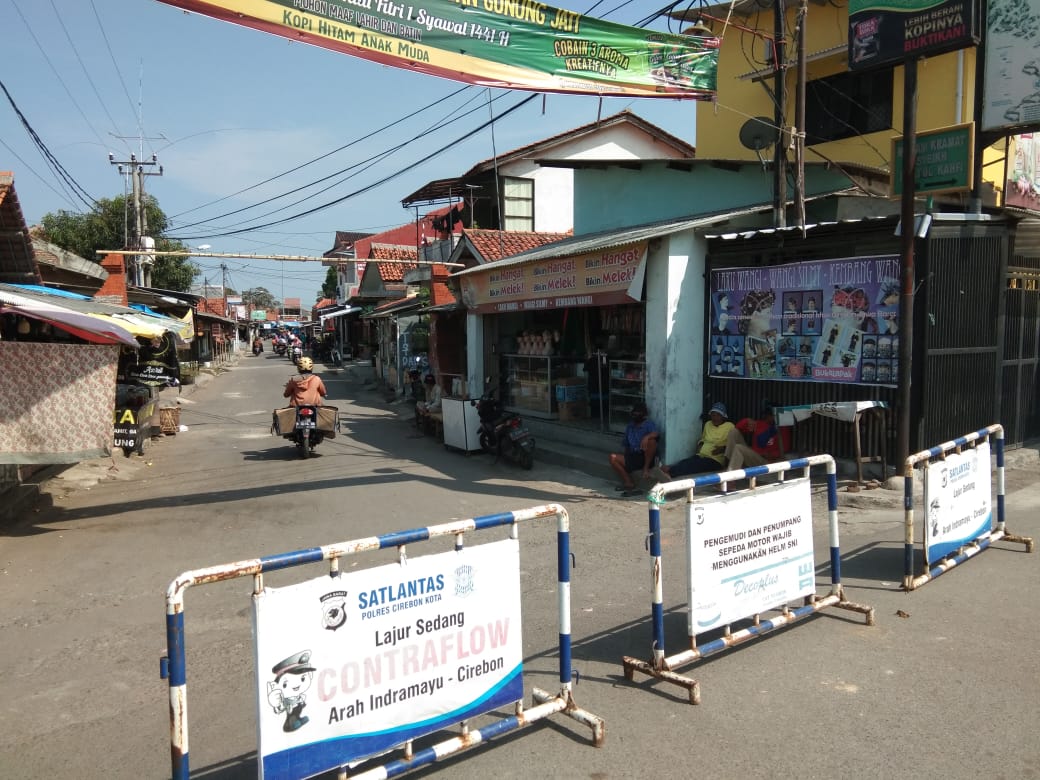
780, 100
223, 287
799, 99
140, 272
908, 230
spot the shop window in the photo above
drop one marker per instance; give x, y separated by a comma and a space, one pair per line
517, 204
848, 104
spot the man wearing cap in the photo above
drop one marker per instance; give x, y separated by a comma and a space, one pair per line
292, 679
711, 447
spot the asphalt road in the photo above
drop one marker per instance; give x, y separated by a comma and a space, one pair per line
945, 684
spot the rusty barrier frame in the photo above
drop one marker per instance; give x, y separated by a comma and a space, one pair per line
173, 664
976, 545
662, 666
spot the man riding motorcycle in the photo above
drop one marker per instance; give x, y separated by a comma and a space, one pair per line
307, 389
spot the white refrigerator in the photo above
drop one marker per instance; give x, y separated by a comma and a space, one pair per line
461, 424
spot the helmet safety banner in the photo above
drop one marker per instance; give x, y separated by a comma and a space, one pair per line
509, 44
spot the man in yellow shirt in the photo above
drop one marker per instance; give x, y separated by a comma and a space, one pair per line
711, 447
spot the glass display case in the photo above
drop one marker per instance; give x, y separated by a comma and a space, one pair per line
627, 388
530, 383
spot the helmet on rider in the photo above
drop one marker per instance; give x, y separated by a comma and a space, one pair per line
306, 364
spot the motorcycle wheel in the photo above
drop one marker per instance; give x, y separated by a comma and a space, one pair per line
305, 445
485, 442
525, 459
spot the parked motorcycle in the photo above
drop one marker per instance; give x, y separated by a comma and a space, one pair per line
503, 433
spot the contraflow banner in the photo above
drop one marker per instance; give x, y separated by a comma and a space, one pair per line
510, 44
350, 666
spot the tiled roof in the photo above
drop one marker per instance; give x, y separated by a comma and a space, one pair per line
398, 303
324, 303
440, 294
496, 244
345, 242
17, 265
393, 272
403, 235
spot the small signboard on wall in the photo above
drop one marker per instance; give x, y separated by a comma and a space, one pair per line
944, 160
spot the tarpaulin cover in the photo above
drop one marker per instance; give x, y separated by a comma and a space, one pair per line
56, 401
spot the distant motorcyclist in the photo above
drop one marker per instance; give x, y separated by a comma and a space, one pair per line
307, 389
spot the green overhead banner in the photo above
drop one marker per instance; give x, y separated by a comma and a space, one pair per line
510, 44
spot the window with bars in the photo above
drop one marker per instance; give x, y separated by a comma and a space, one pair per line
517, 204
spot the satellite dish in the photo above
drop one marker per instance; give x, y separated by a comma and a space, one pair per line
758, 133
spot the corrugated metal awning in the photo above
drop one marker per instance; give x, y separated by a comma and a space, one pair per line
580, 245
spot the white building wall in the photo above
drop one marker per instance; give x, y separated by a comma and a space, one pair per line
554, 187
675, 317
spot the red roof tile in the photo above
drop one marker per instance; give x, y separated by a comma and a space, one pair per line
405, 235
441, 295
498, 244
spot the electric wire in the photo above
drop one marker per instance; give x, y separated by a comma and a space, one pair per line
367, 163
365, 189
112, 57
63, 195
83, 67
57, 75
55, 165
345, 146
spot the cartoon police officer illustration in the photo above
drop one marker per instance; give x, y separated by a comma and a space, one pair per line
292, 679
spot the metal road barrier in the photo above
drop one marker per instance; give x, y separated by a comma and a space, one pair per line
958, 522
748, 552
382, 656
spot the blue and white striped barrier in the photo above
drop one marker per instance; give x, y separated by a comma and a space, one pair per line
958, 518
173, 666
787, 570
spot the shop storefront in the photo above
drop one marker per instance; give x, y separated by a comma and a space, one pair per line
565, 338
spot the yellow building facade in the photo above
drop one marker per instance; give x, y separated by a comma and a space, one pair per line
851, 117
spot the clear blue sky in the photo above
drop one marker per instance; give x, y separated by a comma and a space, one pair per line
226, 108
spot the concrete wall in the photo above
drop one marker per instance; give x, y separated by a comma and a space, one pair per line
614, 197
554, 187
675, 319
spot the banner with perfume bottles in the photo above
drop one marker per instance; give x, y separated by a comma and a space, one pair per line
817, 321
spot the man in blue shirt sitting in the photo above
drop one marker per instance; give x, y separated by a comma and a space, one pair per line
640, 442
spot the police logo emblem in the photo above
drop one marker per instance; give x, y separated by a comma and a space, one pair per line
334, 609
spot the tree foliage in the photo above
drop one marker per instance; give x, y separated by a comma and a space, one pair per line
259, 298
329, 288
109, 225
